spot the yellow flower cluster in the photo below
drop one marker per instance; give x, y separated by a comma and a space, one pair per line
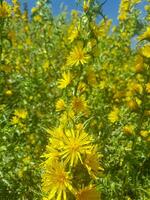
74, 102
70, 150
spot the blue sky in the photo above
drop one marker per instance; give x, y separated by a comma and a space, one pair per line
110, 8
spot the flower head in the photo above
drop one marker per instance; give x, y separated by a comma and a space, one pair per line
79, 104
65, 81
145, 35
75, 144
114, 115
146, 51
60, 105
77, 56
56, 181
92, 163
5, 9
21, 113
88, 193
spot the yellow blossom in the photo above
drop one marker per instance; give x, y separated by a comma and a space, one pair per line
72, 33
148, 87
67, 116
128, 129
37, 18
144, 133
79, 104
8, 92
60, 105
75, 144
146, 51
132, 104
20, 113
15, 120
92, 163
65, 81
113, 116
139, 64
56, 181
145, 35
81, 87
78, 56
5, 9
88, 193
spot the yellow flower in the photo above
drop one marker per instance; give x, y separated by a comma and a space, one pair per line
88, 193
75, 144
37, 18
135, 87
72, 33
92, 163
78, 56
66, 117
132, 104
65, 81
113, 116
139, 64
34, 9
5, 9
60, 105
146, 51
81, 87
144, 133
123, 10
79, 104
56, 181
148, 87
8, 92
129, 129
91, 77
15, 120
56, 137
86, 5
20, 113
145, 35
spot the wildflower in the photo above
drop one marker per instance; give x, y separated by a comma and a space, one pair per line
92, 163
146, 51
88, 193
86, 5
132, 104
139, 64
34, 9
8, 92
65, 81
5, 9
56, 181
81, 87
15, 120
75, 144
37, 18
144, 133
72, 33
79, 104
20, 113
129, 129
148, 87
145, 35
67, 116
113, 116
91, 77
123, 10
77, 56
57, 135
60, 105
136, 87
